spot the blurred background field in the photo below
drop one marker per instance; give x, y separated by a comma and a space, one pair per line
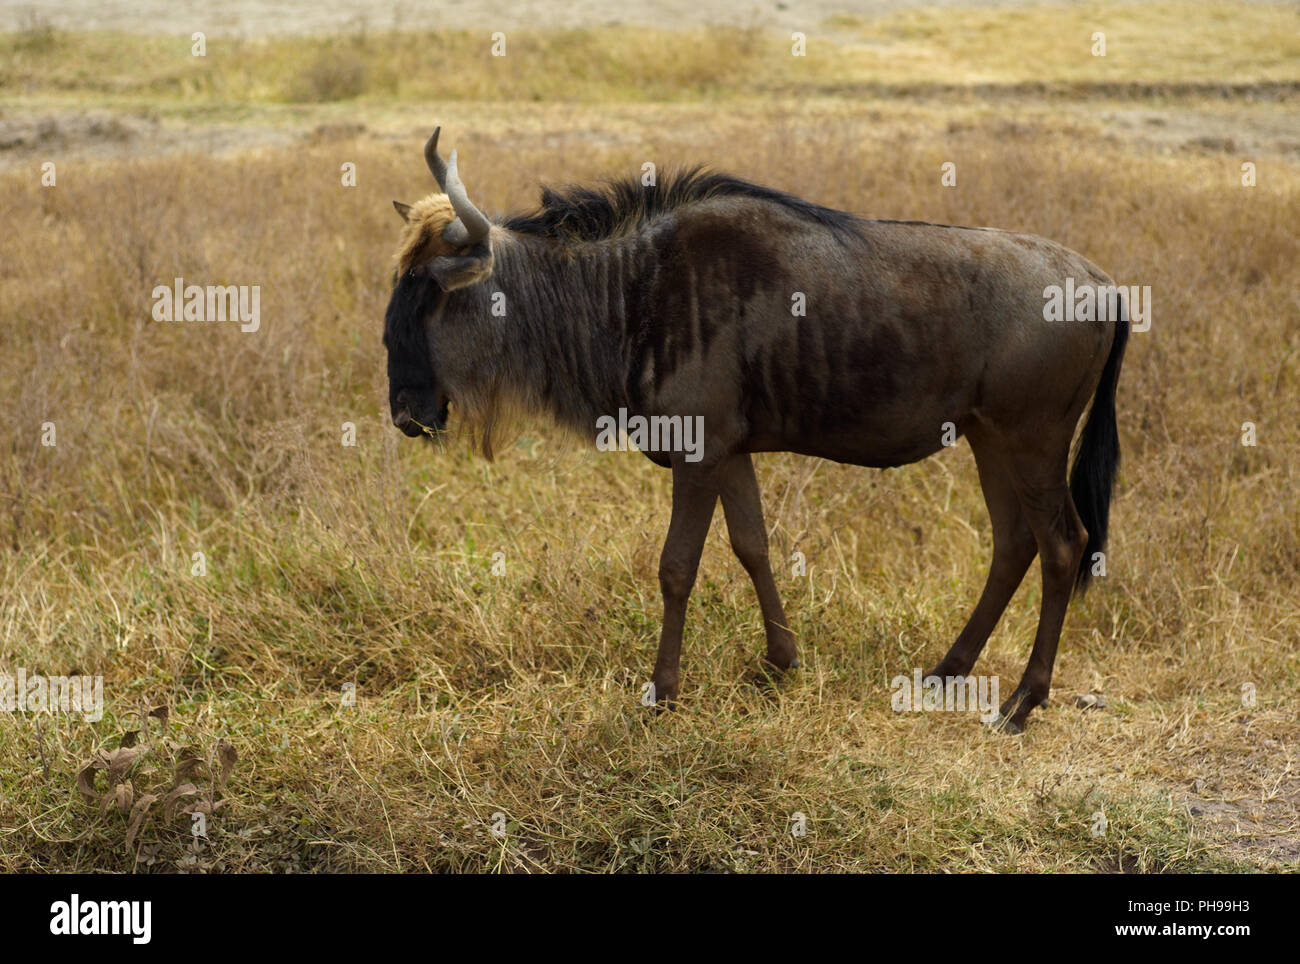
517, 691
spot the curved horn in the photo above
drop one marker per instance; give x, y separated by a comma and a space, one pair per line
437, 166
470, 226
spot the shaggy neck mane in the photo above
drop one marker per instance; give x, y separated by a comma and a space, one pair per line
618, 207
560, 349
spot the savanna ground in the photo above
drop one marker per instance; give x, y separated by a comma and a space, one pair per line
498, 620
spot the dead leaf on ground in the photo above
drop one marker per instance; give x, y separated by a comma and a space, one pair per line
169, 804
138, 813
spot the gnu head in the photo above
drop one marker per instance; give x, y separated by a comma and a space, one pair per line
446, 240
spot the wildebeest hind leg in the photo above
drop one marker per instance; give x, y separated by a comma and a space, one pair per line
1061, 539
1013, 550
743, 505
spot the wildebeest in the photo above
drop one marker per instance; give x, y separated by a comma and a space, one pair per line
680, 299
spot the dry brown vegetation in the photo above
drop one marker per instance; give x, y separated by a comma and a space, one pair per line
517, 692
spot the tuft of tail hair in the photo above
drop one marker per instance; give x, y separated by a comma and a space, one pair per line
1093, 477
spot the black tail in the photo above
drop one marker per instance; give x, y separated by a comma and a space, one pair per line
1093, 476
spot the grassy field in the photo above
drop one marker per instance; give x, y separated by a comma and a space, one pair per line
1216, 42
498, 620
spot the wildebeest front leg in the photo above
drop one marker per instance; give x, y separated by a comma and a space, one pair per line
743, 505
695, 494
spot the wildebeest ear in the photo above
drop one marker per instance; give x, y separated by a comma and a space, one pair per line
453, 271
403, 209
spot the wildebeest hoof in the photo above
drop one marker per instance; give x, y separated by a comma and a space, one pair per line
944, 671
659, 698
1006, 725
769, 674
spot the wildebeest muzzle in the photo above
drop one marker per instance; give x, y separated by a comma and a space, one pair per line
419, 412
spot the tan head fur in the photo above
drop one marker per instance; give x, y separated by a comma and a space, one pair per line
422, 238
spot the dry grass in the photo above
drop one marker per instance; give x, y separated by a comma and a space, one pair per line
1215, 41
1163, 42
517, 693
